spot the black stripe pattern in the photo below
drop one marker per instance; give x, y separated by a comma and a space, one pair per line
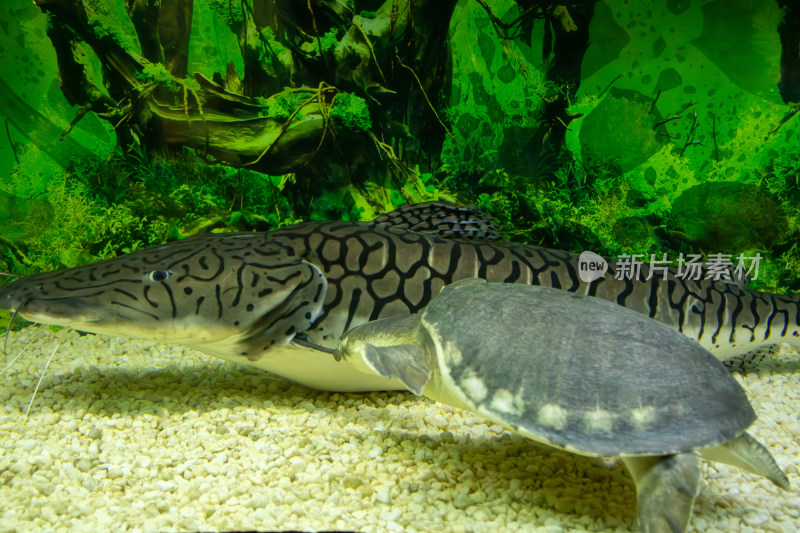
319, 279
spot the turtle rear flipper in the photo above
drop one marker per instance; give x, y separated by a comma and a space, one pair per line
665, 488
748, 454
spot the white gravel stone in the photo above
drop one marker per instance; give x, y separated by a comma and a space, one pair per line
166, 439
298, 465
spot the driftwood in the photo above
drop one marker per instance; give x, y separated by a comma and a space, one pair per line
396, 59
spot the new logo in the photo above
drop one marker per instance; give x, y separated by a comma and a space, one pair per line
591, 267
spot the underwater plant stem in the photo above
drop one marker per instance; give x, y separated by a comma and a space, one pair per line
372, 52
425, 94
501, 28
714, 136
78, 116
690, 138
668, 119
655, 101
319, 96
612, 82
10, 142
316, 31
792, 112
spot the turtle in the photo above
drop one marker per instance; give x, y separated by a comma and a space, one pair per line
576, 373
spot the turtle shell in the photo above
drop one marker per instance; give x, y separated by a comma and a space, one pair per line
581, 373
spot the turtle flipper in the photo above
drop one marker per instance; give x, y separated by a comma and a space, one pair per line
747, 453
403, 361
665, 488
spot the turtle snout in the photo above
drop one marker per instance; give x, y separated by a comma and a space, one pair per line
343, 349
339, 353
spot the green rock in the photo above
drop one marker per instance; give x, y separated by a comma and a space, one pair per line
620, 131
506, 73
636, 199
467, 124
729, 217
676, 7
668, 79
658, 46
631, 232
747, 52
608, 41
487, 48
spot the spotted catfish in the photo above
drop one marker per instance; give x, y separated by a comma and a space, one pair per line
280, 300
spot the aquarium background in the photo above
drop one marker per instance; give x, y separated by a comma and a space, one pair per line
613, 126
638, 127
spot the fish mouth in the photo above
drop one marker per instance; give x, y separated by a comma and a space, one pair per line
112, 323
61, 312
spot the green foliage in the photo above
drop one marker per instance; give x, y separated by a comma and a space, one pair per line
230, 12
781, 177
272, 51
336, 204
281, 105
327, 42
102, 208
729, 217
78, 228
108, 19
351, 112
157, 73
32, 175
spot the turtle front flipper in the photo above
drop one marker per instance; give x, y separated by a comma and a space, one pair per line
403, 361
390, 348
747, 453
665, 489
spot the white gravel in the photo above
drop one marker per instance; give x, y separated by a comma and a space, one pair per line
127, 436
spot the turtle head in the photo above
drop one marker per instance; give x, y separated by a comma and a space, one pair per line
229, 295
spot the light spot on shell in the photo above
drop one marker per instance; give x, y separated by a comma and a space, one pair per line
474, 387
503, 401
553, 415
599, 421
452, 353
643, 417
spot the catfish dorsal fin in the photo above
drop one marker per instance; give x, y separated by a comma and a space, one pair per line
405, 362
442, 219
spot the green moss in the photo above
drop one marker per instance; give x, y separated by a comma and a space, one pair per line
327, 42
108, 20
351, 112
157, 73
281, 105
272, 52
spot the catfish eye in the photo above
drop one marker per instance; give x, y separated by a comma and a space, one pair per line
159, 275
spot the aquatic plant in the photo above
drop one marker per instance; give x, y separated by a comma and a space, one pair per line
351, 112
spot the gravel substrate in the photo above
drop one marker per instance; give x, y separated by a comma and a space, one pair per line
129, 436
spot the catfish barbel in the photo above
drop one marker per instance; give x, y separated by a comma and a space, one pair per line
280, 300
